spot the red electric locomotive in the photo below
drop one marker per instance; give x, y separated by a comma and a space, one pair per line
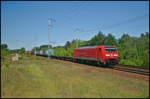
100, 54
30, 52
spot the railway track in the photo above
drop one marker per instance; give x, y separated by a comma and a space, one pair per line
125, 68
131, 69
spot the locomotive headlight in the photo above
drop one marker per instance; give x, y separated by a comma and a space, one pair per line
107, 54
115, 55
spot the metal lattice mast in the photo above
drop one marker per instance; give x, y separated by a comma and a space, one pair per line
50, 25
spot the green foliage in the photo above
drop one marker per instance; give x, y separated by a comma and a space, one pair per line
36, 48
110, 40
5, 52
98, 39
67, 44
45, 47
22, 51
133, 50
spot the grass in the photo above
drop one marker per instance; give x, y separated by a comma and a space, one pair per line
40, 77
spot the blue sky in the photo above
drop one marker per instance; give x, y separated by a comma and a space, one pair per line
25, 24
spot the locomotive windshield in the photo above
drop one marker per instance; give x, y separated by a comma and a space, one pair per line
110, 49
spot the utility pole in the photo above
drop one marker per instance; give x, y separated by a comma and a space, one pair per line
50, 25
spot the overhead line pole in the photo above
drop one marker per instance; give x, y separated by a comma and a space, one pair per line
79, 31
50, 25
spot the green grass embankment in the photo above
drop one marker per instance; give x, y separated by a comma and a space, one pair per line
40, 77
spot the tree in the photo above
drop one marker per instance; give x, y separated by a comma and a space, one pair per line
100, 38
67, 44
45, 47
22, 50
4, 46
124, 38
36, 49
97, 39
110, 40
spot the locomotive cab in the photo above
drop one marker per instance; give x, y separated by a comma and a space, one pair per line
111, 55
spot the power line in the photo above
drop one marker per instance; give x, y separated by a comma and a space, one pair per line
120, 23
137, 26
114, 25
75, 12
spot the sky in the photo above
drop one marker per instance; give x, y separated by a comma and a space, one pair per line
25, 23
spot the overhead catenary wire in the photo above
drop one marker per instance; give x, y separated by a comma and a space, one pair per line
74, 12
77, 11
113, 25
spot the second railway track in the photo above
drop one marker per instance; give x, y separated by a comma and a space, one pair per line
132, 69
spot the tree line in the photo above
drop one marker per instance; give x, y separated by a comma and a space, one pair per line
6, 51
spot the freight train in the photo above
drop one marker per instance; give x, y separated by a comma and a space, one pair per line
46, 52
99, 54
